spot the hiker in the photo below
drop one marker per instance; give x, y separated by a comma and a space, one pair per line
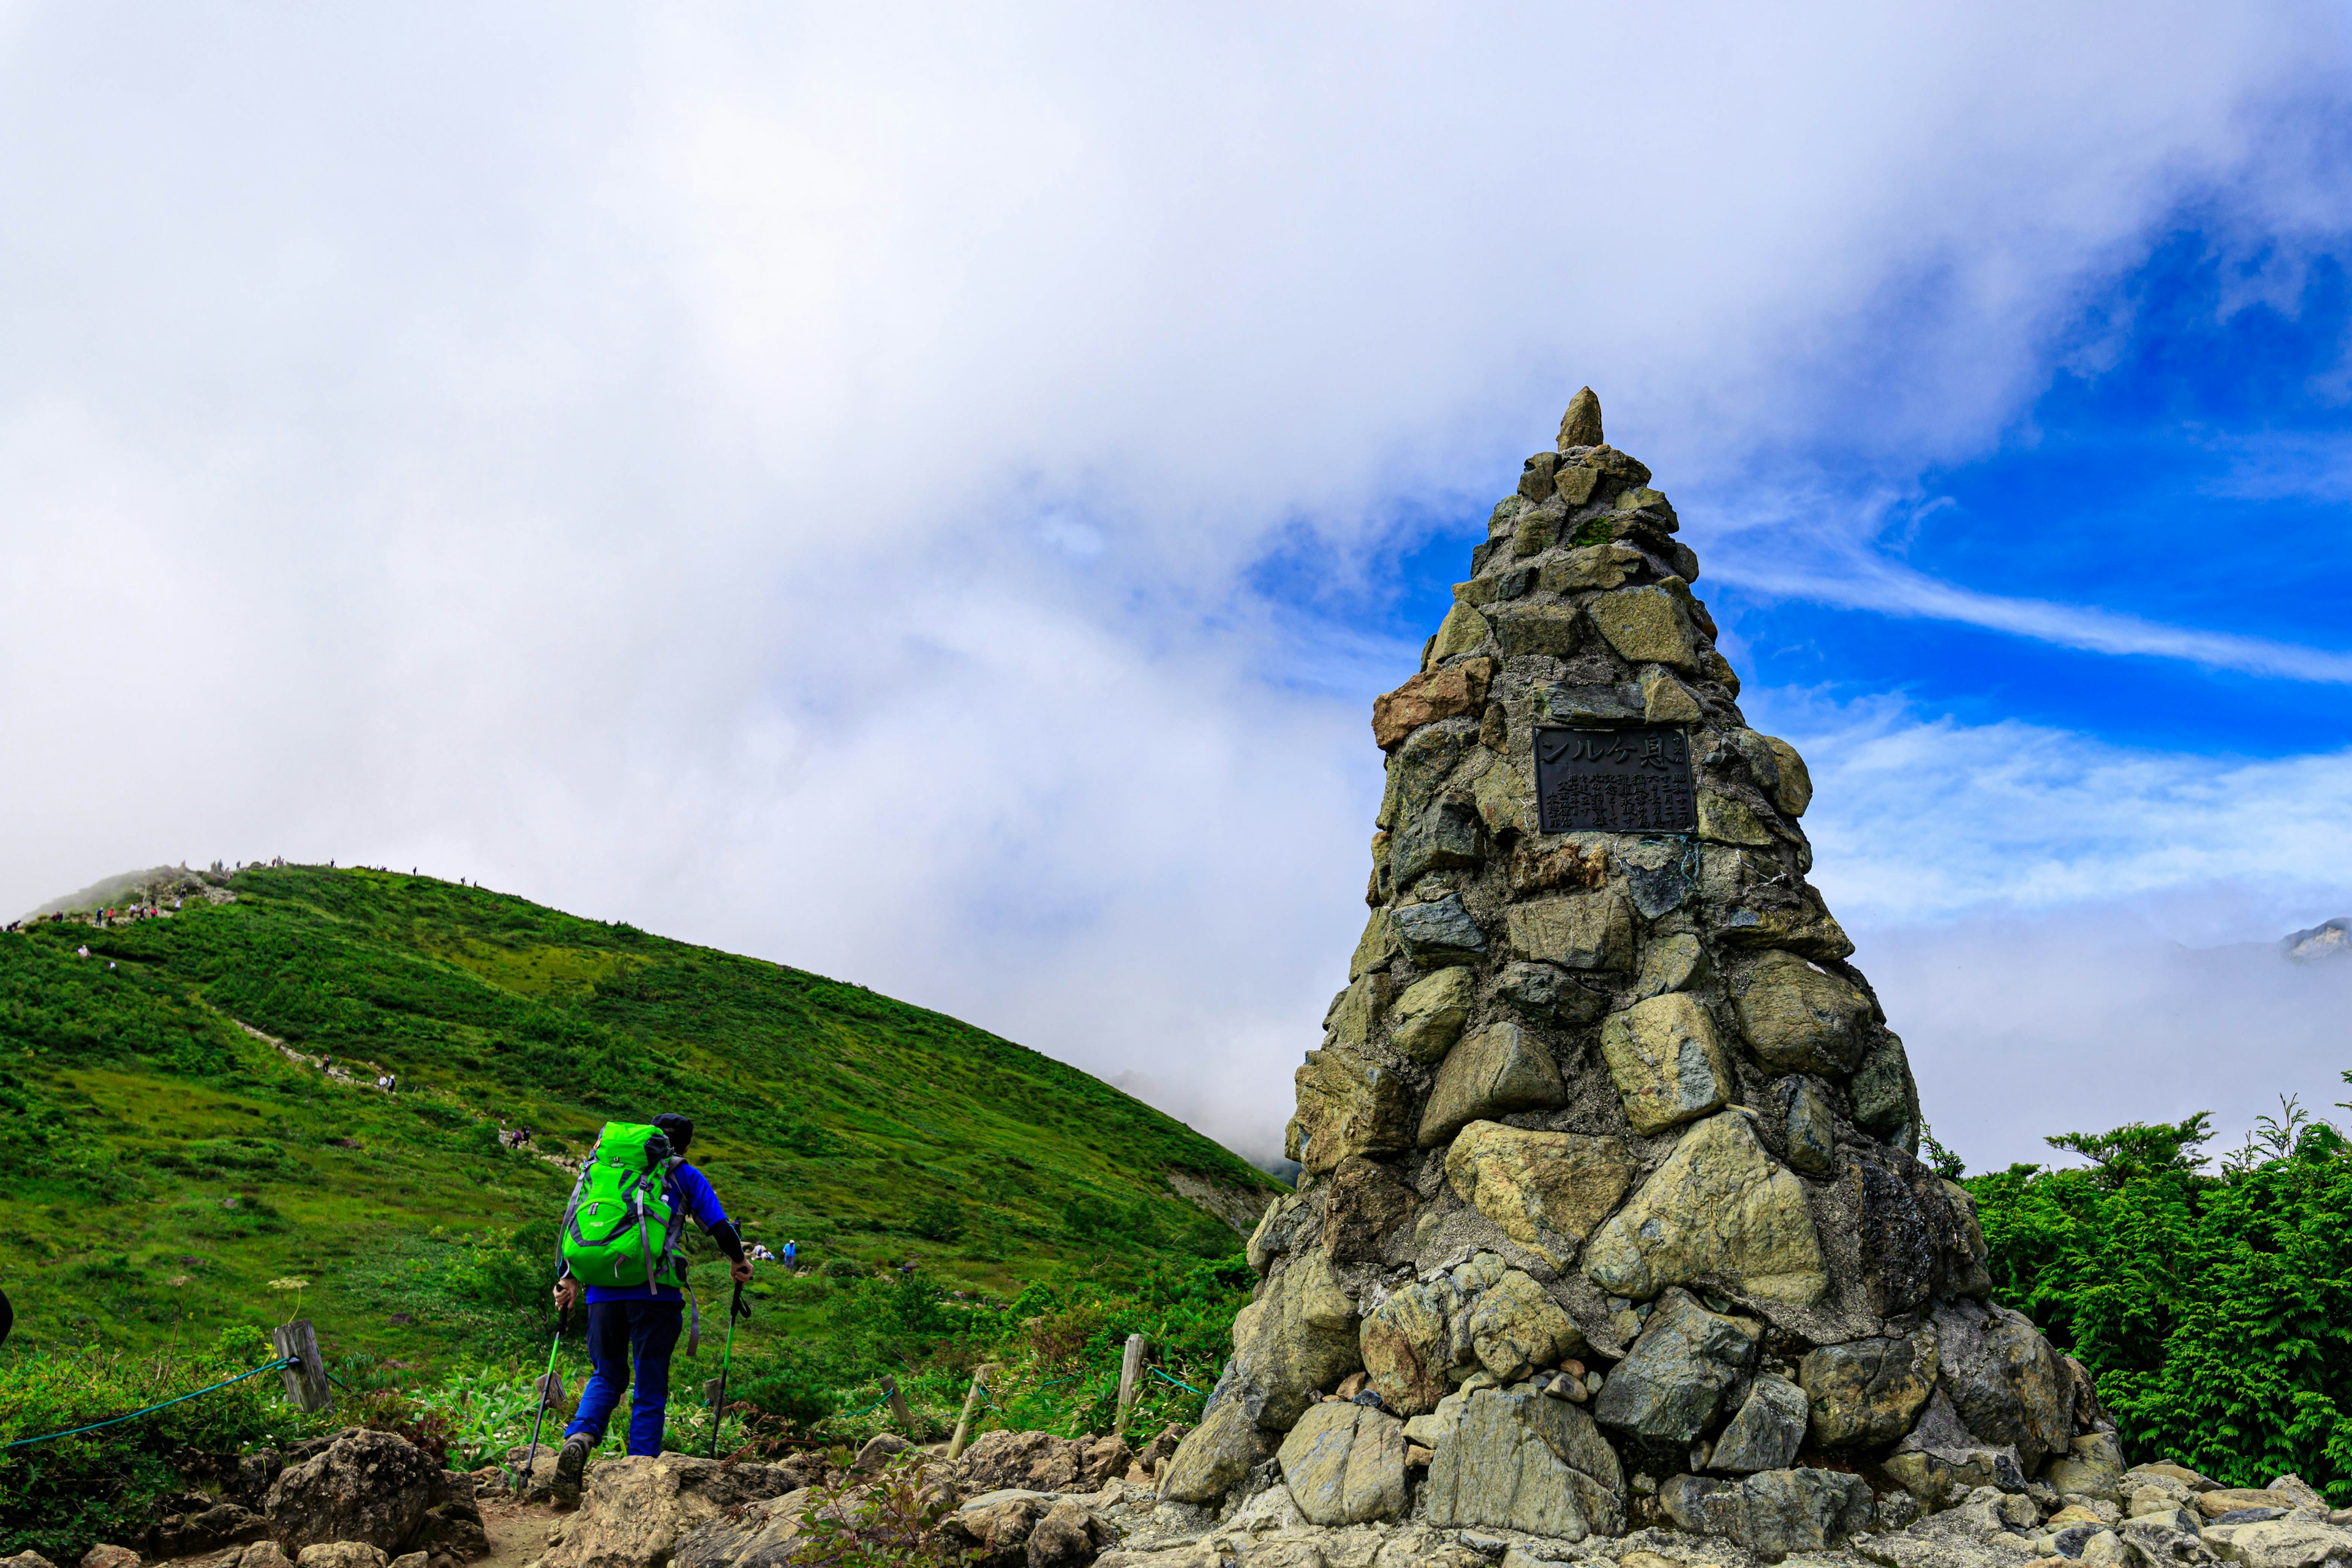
634, 1322
792, 1256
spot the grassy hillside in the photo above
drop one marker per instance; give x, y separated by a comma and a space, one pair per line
176, 1162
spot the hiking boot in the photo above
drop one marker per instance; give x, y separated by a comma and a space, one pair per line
571, 1463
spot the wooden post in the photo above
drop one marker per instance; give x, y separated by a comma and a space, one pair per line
306, 1379
905, 1417
1130, 1369
971, 1409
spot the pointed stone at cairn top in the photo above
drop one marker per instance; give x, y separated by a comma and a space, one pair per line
1580, 426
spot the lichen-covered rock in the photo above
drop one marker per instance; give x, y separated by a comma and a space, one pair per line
1941, 1458
1865, 1393
1793, 790
1798, 1017
2093, 1468
1295, 1339
1358, 1010
1499, 1069
1581, 931
1349, 1104
1345, 1464
1408, 1349
1674, 962
1774, 1513
1647, 625
1665, 1059
1767, 1430
1546, 1190
1668, 1390
1580, 426
1720, 1211
1516, 1460
1515, 1329
1427, 1018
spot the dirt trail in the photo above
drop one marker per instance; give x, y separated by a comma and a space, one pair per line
517, 1531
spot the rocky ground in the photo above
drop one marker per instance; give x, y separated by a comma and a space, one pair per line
1030, 1499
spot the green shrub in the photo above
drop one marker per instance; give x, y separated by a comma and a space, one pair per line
62, 1497
2214, 1312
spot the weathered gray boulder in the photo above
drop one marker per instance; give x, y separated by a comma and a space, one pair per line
1297, 1338
1515, 1461
1344, 1464
1666, 1063
1865, 1393
2162, 1542
1069, 1536
340, 1554
1772, 1514
1799, 1017
637, 1509
1917, 1232
1547, 1190
1439, 931
991, 1530
1768, 1431
1549, 995
1668, 1390
377, 1487
2296, 1540
1041, 1461
1720, 1211
1501, 1069
759, 1535
1941, 1459
1219, 1452
2004, 1379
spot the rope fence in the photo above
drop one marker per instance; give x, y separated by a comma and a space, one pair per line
281, 1362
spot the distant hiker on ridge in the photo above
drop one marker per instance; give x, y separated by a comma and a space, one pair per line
620, 1234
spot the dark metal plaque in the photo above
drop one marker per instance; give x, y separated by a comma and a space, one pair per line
1632, 780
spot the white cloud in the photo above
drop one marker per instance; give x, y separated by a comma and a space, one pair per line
620, 457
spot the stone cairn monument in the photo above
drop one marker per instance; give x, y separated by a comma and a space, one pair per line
1610, 1214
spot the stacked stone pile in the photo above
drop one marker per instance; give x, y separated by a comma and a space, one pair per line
1609, 1213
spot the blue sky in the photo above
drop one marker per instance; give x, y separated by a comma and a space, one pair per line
621, 455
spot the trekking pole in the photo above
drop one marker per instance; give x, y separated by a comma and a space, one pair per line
546, 1388
735, 1308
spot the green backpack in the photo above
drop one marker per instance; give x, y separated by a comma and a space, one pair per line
624, 1219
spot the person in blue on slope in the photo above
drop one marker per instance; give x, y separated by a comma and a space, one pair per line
640, 1324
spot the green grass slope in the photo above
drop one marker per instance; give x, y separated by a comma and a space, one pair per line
174, 1161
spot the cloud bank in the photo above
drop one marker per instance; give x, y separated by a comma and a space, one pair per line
795, 480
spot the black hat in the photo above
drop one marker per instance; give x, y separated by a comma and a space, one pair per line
677, 1129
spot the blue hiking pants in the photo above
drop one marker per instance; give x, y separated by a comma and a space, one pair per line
619, 1332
